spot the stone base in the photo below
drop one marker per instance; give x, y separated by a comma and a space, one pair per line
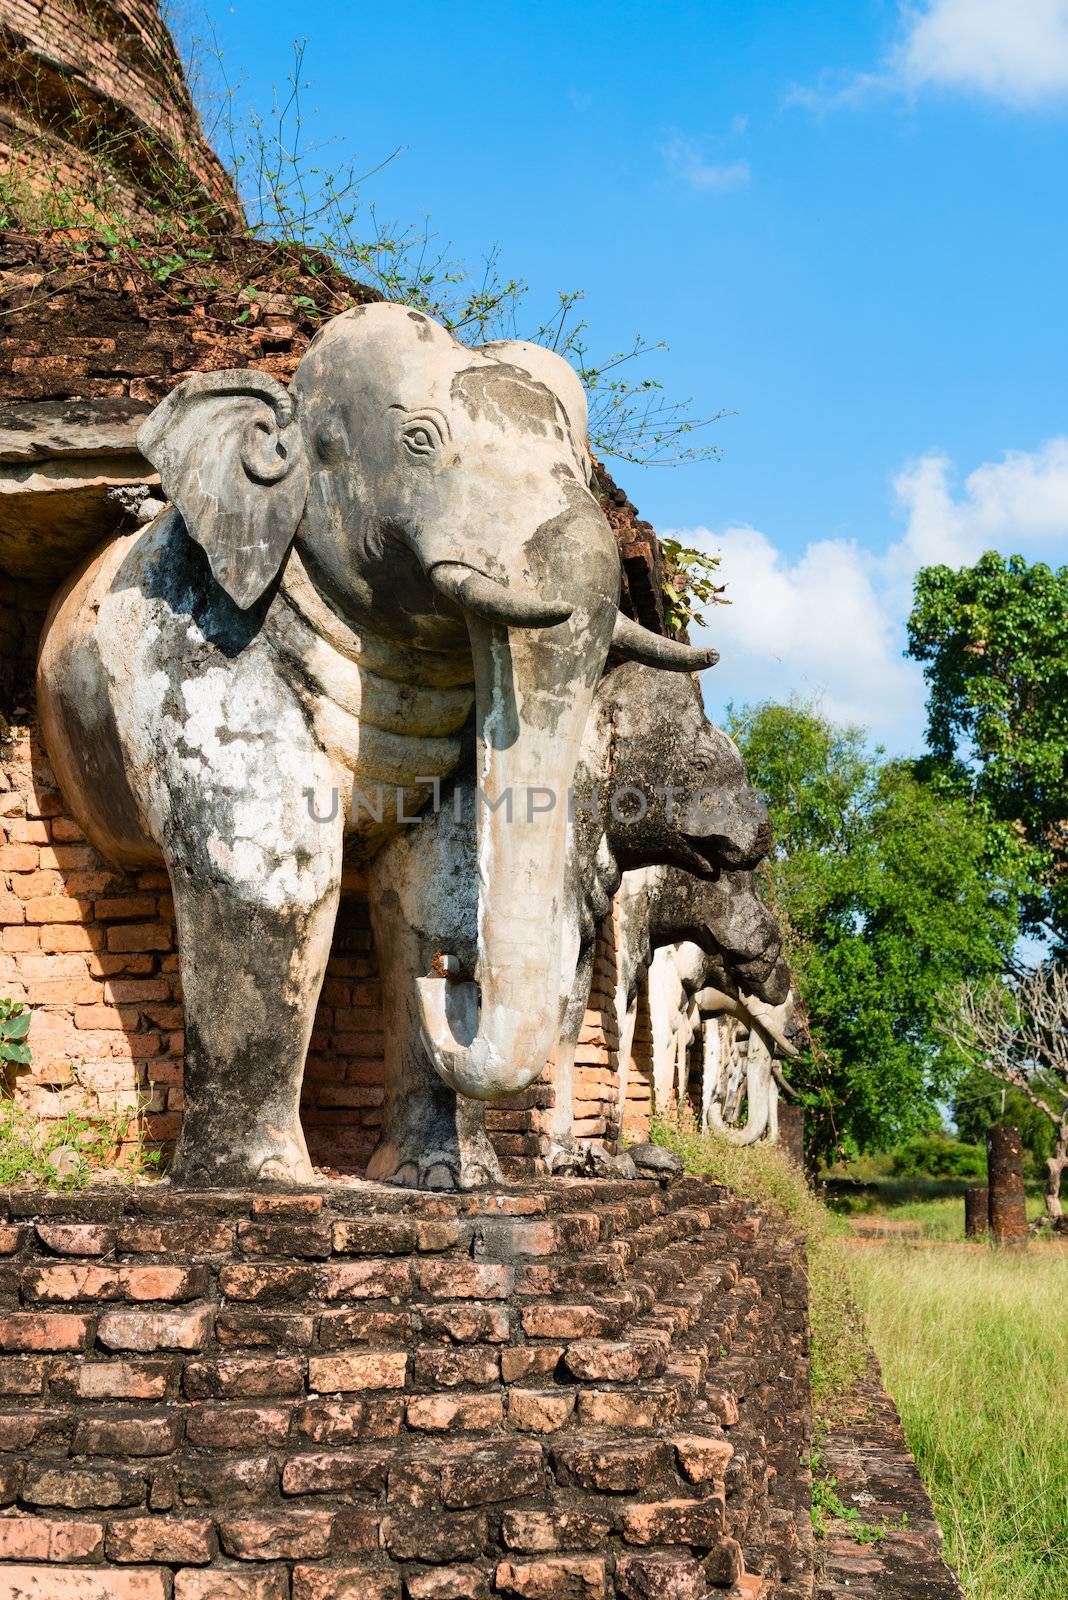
561, 1392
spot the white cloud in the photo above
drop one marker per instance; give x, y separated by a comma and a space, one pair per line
816, 626
1012, 51
829, 624
1019, 502
687, 163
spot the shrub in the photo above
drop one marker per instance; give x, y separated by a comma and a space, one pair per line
935, 1155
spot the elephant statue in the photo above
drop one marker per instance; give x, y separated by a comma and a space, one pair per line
275, 674
701, 814
695, 995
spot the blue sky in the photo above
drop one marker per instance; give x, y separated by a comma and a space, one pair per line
849, 222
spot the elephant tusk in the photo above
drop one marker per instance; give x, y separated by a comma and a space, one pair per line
494, 601
635, 643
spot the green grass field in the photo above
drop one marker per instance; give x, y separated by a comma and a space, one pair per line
974, 1348
934, 1205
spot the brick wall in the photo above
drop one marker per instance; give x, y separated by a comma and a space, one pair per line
585, 1390
93, 99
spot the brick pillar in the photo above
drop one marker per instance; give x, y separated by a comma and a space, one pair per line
792, 1132
1008, 1214
976, 1211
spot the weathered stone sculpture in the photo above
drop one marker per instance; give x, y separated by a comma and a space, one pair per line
743, 1033
347, 565
700, 812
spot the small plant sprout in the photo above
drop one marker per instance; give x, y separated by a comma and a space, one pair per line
14, 1048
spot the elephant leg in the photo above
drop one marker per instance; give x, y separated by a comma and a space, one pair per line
561, 1133
251, 975
432, 1138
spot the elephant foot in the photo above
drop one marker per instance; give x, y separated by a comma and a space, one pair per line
274, 1158
464, 1160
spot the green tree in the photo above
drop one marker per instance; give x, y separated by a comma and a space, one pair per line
993, 639
883, 887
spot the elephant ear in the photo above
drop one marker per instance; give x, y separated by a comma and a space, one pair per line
231, 457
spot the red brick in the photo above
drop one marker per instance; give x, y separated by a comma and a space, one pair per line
539, 1532
10, 1239
195, 1583
365, 1280
615, 1362
449, 1583
346, 1583
329, 1472
173, 1539
80, 1281
464, 1280
237, 1427
702, 1459
557, 1578
127, 1436
280, 1535
83, 1583
81, 1488
604, 1408
287, 1205
54, 908
376, 1236
301, 1239
529, 1360
132, 905
41, 1330
112, 1380
438, 1413
76, 1238
256, 1283
39, 1539
272, 1329
612, 1468
358, 1370
488, 1473
449, 1368
21, 1377
554, 1321
364, 1325
184, 1329
540, 1410
660, 1575
467, 1324
140, 936
237, 1377
698, 1523
165, 1238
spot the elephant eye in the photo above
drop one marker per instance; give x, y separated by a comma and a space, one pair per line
419, 440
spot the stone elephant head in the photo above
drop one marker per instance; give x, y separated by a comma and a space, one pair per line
439, 500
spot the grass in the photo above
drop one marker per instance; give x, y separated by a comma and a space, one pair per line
764, 1174
67, 1152
974, 1348
934, 1205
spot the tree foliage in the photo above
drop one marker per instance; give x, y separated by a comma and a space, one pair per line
883, 887
994, 642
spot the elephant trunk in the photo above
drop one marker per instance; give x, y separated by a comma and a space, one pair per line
533, 691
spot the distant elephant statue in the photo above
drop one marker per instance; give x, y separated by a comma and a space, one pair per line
654, 781
347, 566
692, 993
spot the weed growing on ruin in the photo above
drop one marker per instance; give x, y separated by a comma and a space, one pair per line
67, 1152
763, 1173
973, 1345
828, 1506
14, 1045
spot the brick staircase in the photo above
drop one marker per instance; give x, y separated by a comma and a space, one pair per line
563, 1392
